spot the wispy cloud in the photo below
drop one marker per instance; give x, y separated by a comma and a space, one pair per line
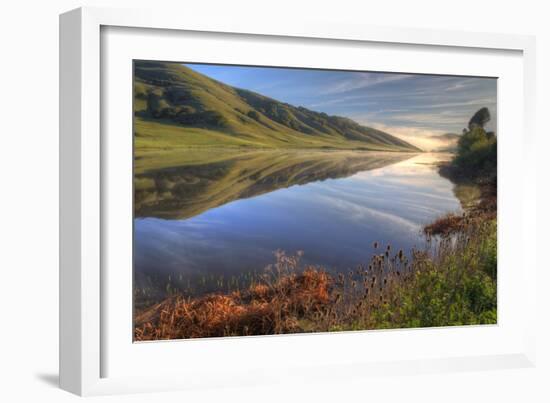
412, 106
472, 102
442, 118
345, 100
362, 80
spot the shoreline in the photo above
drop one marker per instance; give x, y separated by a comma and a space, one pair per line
372, 296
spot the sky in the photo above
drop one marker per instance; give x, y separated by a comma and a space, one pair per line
417, 108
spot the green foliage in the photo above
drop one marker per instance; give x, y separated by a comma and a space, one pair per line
253, 115
157, 106
140, 91
475, 138
458, 288
203, 119
477, 151
488, 251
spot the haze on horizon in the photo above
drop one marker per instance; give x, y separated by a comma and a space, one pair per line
417, 108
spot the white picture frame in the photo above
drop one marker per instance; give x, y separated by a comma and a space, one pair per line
83, 173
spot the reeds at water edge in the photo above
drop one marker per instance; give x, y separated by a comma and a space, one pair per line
451, 282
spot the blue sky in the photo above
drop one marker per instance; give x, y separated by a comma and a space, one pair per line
417, 108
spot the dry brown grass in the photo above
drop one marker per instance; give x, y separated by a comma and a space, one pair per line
445, 225
285, 299
485, 209
271, 306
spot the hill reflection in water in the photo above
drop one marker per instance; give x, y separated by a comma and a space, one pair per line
201, 180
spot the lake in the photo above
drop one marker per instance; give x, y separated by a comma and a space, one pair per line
204, 221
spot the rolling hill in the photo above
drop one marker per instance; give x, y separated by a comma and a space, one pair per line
175, 107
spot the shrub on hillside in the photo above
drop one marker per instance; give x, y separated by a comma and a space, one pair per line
253, 115
157, 106
204, 119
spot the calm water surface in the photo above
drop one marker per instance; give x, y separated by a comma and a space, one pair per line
188, 226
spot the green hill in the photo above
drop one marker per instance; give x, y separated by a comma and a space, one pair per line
175, 107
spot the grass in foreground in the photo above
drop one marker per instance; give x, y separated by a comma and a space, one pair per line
453, 282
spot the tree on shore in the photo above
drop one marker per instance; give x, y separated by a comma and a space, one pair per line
480, 119
477, 150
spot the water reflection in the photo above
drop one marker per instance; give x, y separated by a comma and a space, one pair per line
227, 218
203, 180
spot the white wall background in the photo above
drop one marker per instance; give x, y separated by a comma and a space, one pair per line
29, 201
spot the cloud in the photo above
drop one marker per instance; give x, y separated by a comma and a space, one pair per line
362, 80
408, 105
459, 85
474, 102
443, 118
426, 138
344, 100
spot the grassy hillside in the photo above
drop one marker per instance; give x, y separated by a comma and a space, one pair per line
176, 107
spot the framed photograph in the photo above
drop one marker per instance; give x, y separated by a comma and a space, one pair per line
243, 202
